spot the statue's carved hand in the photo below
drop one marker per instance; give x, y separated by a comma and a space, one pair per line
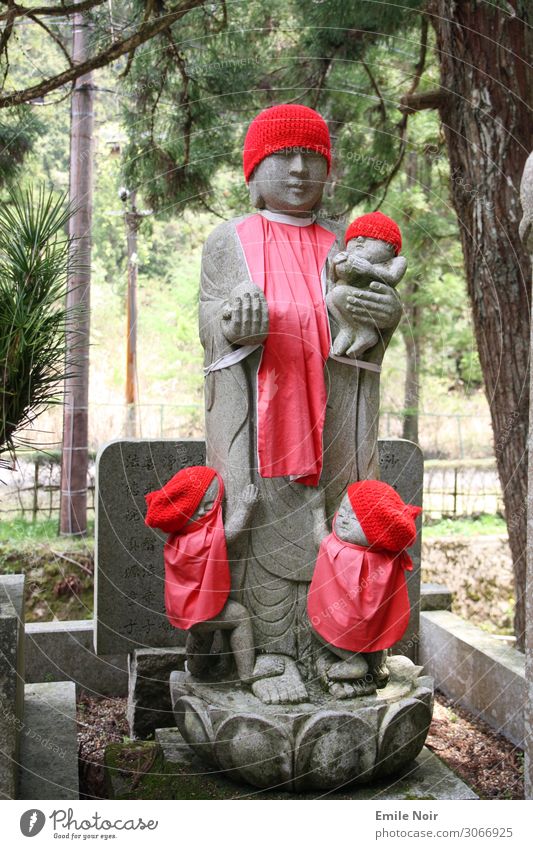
358, 265
245, 317
379, 304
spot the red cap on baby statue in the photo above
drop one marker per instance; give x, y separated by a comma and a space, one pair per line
376, 225
288, 125
386, 520
171, 507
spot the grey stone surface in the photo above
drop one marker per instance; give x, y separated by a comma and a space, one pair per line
56, 651
526, 234
149, 705
427, 777
401, 464
319, 744
49, 749
129, 568
11, 679
476, 670
435, 597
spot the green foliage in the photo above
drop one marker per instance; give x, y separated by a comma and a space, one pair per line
473, 526
34, 256
19, 129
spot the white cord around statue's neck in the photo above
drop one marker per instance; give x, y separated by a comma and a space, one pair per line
286, 218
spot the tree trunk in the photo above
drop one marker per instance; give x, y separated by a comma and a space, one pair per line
74, 460
486, 116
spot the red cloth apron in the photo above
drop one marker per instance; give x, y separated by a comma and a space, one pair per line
358, 597
197, 575
286, 262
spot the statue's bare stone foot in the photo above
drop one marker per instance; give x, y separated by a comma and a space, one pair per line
381, 675
348, 670
364, 687
340, 690
266, 666
287, 688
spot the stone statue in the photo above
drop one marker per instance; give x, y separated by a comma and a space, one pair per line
358, 604
277, 559
373, 242
288, 416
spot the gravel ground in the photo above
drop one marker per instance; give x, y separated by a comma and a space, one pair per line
491, 765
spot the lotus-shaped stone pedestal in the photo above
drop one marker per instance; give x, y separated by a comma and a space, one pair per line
316, 745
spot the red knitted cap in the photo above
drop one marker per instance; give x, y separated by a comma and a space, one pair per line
376, 225
284, 126
387, 522
171, 507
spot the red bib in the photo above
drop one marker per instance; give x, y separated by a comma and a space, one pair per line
358, 597
286, 262
197, 575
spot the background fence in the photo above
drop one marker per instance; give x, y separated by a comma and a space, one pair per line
451, 487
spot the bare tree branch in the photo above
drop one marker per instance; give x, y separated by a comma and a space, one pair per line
51, 11
373, 82
415, 102
146, 16
54, 38
8, 29
145, 32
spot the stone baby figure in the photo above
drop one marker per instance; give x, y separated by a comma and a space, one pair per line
358, 604
373, 243
197, 574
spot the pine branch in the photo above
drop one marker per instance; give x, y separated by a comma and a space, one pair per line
50, 11
145, 32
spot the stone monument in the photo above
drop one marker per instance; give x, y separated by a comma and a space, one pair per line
299, 423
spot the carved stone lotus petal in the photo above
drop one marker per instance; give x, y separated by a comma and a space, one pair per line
255, 750
195, 726
402, 735
333, 748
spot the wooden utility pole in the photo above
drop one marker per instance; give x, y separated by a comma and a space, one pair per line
133, 220
74, 461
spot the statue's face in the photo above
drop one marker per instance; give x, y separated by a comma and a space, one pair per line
207, 502
291, 180
374, 250
347, 526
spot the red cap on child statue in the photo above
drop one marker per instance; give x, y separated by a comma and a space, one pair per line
386, 520
376, 225
171, 507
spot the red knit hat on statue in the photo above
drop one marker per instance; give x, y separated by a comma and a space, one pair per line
387, 522
376, 225
171, 507
284, 126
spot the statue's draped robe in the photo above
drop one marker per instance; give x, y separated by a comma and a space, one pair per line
273, 564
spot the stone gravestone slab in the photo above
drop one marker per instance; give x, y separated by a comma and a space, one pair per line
401, 465
129, 569
11, 679
129, 587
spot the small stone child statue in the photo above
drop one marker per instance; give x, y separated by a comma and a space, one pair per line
373, 243
358, 604
197, 574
